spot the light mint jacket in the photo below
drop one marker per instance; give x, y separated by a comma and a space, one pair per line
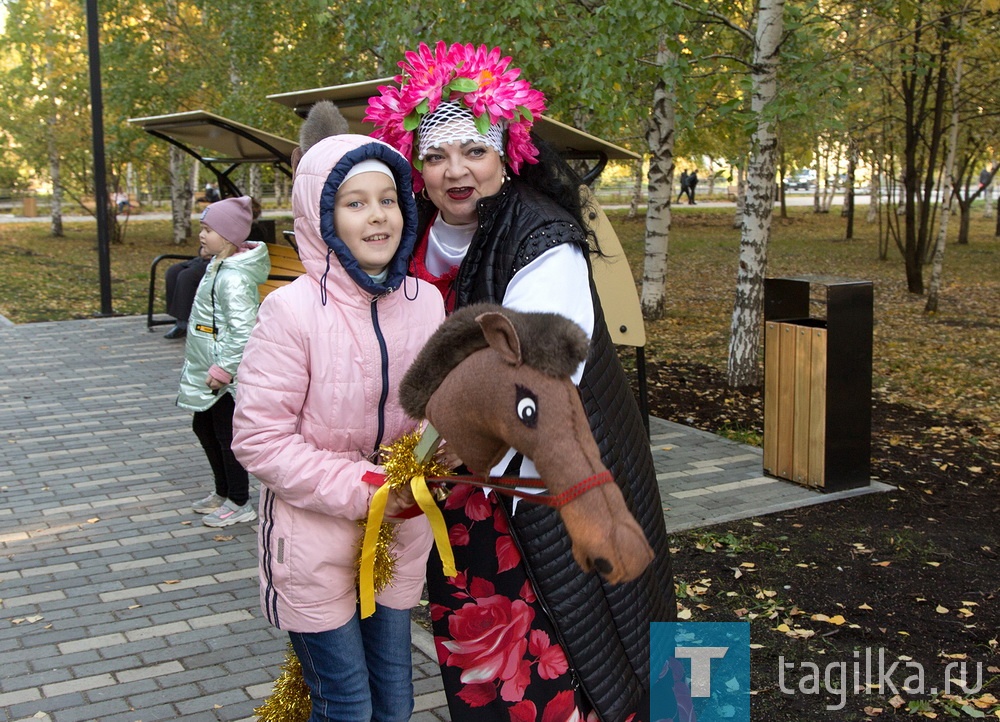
226, 301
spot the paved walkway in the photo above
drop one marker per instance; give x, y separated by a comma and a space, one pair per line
118, 604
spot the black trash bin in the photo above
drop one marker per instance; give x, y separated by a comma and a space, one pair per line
818, 381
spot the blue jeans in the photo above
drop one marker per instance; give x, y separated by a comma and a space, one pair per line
361, 671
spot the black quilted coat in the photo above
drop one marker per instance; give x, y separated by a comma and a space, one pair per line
603, 628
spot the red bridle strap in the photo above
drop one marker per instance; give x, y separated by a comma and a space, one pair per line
514, 486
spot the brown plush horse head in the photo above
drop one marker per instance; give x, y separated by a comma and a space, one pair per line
491, 379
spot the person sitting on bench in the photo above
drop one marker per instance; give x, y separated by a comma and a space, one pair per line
182, 282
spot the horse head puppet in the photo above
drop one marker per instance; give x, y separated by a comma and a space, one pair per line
491, 379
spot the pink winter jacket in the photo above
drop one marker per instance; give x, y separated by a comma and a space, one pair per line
318, 393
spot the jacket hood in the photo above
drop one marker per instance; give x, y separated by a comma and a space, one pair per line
317, 178
254, 262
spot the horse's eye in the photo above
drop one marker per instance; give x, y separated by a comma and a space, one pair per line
527, 407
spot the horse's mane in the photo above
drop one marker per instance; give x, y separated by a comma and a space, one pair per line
549, 342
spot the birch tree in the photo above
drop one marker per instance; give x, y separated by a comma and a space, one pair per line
661, 176
937, 265
758, 206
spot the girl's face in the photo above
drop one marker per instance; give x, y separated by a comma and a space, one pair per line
212, 243
457, 176
368, 220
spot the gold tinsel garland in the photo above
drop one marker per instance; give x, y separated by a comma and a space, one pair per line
290, 701
400, 465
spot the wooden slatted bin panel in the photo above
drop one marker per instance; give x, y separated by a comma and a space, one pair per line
795, 402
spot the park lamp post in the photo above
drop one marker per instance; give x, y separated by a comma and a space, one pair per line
100, 170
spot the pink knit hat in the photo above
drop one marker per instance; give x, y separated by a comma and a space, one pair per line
230, 218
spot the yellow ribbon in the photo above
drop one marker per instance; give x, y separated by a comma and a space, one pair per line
366, 576
376, 513
426, 502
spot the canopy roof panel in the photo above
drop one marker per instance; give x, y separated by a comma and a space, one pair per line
227, 140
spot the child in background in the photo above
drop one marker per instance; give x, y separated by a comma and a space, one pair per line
222, 316
319, 395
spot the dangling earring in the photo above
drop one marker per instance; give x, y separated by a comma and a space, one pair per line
505, 177
423, 194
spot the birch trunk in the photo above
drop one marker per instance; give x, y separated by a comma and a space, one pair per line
661, 173
255, 188
937, 264
181, 195
51, 123
874, 197
744, 343
741, 196
633, 209
57, 190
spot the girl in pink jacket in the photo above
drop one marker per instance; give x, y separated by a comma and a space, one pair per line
318, 397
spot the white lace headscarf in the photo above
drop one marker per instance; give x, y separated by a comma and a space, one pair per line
454, 123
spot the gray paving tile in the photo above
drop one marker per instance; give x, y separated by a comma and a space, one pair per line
142, 612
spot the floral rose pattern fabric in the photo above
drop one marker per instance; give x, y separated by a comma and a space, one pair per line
499, 656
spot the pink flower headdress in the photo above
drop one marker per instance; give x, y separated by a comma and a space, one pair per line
477, 78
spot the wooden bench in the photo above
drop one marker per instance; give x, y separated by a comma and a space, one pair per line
285, 268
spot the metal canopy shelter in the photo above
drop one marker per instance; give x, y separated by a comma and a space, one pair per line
230, 144
352, 99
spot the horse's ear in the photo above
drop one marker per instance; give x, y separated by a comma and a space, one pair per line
500, 334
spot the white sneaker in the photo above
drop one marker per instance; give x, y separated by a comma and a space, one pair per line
229, 513
209, 504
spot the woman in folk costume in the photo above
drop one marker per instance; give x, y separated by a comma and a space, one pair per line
522, 633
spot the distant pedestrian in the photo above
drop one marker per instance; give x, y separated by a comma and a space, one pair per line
684, 185
985, 178
691, 185
223, 314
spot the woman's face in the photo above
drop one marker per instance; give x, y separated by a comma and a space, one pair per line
457, 176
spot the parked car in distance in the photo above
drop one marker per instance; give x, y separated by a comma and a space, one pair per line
798, 182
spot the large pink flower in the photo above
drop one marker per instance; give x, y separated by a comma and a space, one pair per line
475, 76
489, 639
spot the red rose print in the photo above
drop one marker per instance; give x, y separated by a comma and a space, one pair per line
527, 592
477, 507
500, 521
512, 690
478, 695
552, 662
538, 642
480, 588
442, 652
489, 638
458, 496
562, 708
507, 555
438, 611
523, 712
458, 535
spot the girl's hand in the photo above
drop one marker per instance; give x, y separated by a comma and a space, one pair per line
213, 383
399, 501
